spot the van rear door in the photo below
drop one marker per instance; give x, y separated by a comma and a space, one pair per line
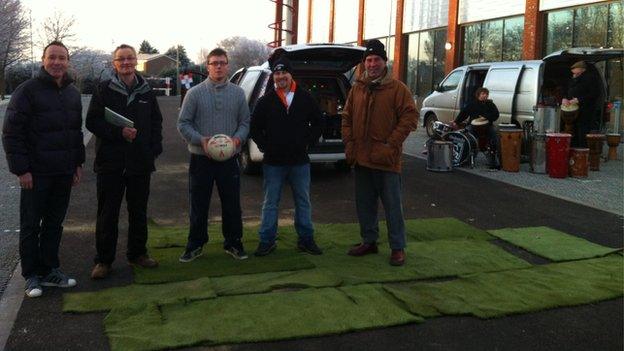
502, 82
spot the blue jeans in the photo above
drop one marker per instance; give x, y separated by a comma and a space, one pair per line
203, 174
370, 186
298, 177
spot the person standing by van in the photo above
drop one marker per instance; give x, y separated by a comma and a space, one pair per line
583, 90
482, 107
378, 116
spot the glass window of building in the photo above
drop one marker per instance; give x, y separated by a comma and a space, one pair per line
425, 60
598, 25
496, 40
345, 21
379, 18
320, 21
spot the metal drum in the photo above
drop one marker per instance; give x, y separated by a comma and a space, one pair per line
439, 156
538, 153
464, 144
546, 119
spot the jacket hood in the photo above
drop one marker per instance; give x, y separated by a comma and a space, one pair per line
117, 85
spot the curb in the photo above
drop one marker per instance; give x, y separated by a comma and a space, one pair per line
10, 304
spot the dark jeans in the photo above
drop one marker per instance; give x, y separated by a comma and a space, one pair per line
370, 186
203, 174
110, 193
42, 211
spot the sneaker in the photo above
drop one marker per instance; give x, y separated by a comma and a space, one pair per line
59, 279
397, 258
144, 261
33, 287
309, 246
363, 249
265, 249
238, 253
190, 255
100, 271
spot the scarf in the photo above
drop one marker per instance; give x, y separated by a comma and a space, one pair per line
282, 95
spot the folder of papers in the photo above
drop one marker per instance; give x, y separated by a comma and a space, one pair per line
116, 119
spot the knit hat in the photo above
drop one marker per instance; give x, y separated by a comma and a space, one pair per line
375, 47
579, 64
282, 64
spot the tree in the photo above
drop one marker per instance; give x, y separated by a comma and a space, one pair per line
147, 48
183, 57
58, 27
13, 36
244, 52
89, 66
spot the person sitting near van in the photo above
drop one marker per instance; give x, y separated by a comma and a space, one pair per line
482, 108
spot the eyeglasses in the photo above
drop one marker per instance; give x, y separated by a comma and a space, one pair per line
122, 59
217, 63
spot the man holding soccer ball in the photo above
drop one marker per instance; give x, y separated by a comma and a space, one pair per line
214, 107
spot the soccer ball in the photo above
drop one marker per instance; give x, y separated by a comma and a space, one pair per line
221, 147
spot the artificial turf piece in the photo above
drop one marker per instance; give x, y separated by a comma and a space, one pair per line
272, 281
136, 294
253, 318
427, 259
488, 295
552, 244
216, 263
446, 228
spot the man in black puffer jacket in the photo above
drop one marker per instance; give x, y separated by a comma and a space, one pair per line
124, 160
43, 143
285, 121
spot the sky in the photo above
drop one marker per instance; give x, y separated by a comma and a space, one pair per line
195, 24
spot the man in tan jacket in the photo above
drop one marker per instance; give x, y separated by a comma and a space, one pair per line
378, 116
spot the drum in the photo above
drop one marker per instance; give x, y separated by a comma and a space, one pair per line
545, 119
594, 142
613, 140
557, 153
439, 156
538, 153
441, 128
464, 144
569, 114
579, 162
511, 143
481, 131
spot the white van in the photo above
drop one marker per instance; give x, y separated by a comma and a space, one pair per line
515, 86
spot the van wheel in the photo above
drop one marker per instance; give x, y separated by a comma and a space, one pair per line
429, 120
246, 164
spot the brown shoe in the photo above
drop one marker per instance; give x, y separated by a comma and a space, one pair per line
100, 271
363, 249
144, 261
397, 257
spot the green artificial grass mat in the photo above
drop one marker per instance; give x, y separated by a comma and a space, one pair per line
135, 294
272, 281
426, 259
488, 295
341, 234
552, 244
253, 318
446, 228
215, 263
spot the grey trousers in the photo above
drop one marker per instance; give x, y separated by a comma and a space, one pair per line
370, 186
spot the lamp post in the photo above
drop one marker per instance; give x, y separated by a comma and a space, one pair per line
32, 56
177, 69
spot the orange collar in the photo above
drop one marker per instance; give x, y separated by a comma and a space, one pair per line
282, 95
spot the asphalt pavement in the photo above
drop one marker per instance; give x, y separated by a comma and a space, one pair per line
467, 195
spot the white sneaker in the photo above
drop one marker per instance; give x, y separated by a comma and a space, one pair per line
58, 279
33, 287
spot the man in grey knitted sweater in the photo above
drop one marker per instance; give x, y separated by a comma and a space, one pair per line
214, 107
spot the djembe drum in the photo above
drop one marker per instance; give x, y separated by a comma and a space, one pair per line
594, 142
569, 114
613, 140
579, 162
480, 126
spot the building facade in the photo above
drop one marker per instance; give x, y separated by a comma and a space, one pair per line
425, 39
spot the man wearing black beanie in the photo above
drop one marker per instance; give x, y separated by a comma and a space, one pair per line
378, 115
